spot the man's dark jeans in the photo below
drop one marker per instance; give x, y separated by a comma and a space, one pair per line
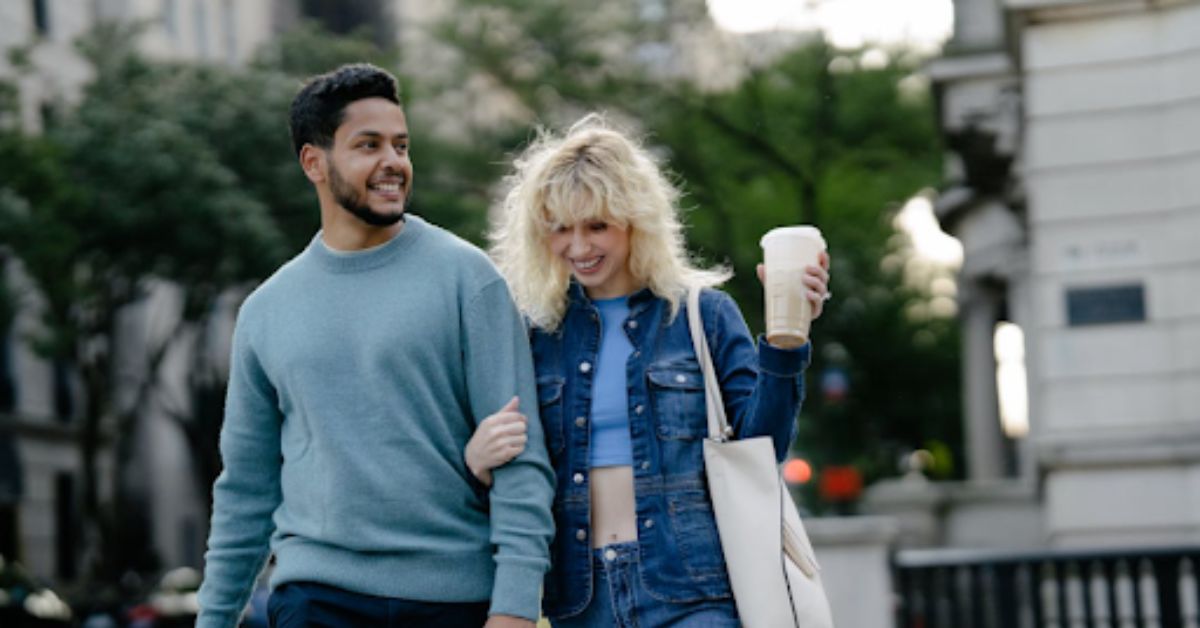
307, 604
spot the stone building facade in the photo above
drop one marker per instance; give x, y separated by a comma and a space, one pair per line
1074, 136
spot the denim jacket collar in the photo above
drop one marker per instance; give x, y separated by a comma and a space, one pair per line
638, 301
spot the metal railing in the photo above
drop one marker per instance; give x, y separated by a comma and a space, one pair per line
1112, 588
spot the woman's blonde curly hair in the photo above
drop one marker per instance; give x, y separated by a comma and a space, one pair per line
592, 172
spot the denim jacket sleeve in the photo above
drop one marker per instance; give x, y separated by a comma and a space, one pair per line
763, 385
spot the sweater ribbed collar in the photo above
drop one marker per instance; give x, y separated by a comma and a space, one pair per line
374, 257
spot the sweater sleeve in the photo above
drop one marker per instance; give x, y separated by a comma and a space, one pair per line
246, 493
763, 386
499, 365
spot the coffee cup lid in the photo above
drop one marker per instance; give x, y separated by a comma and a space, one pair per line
806, 231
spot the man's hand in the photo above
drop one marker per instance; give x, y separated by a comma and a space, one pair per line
508, 621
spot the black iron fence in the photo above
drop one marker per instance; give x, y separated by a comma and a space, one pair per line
1126, 588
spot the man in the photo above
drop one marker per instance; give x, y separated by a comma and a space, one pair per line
359, 372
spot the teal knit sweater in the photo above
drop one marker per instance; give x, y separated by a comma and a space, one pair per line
356, 381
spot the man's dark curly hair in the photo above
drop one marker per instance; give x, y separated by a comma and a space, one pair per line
318, 109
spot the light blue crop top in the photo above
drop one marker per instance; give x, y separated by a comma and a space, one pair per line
611, 445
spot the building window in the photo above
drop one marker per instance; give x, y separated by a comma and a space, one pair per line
8, 531
347, 16
41, 17
64, 525
8, 317
49, 115
652, 11
1011, 379
64, 393
200, 17
170, 17
229, 30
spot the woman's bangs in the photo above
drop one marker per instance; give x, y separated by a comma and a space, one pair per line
570, 205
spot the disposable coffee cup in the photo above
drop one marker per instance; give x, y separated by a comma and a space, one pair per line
786, 252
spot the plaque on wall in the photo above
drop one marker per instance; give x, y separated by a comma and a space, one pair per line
1104, 305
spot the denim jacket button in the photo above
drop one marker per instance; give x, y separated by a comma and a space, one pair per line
638, 409
679, 378
633, 324
584, 367
645, 464
577, 478
580, 421
581, 535
649, 523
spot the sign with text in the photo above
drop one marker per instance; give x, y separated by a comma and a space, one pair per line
1104, 305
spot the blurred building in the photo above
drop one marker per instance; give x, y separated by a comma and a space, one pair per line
1073, 129
217, 31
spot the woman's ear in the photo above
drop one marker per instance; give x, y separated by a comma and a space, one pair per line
312, 160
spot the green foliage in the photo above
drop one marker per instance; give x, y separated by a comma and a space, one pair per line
812, 137
545, 54
32, 198
797, 143
308, 49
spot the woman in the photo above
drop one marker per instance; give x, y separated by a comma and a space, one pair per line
590, 242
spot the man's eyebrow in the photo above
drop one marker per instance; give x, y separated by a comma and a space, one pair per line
377, 134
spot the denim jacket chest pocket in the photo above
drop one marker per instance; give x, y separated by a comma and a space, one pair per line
550, 408
677, 395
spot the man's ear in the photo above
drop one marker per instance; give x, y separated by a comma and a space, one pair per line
312, 160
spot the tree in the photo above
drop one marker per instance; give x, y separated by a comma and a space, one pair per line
816, 136
120, 195
802, 141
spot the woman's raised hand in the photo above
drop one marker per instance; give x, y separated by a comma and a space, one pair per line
816, 279
499, 438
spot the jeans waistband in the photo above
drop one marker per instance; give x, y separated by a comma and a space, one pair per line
615, 554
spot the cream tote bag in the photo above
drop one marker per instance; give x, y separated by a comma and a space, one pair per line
772, 568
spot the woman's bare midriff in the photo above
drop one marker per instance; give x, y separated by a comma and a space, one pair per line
614, 511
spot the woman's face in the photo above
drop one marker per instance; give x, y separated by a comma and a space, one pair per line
597, 253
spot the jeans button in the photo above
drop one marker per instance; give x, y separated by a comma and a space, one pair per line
581, 535
610, 555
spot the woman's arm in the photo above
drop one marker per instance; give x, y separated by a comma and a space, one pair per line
762, 385
498, 439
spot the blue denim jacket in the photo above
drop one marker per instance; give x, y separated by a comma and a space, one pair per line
681, 556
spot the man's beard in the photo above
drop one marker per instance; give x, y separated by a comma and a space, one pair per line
351, 201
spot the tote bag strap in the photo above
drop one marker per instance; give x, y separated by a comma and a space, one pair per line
718, 424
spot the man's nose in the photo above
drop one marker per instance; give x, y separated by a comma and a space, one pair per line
393, 158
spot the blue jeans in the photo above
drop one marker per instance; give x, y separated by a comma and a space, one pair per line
620, 601
308, 604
